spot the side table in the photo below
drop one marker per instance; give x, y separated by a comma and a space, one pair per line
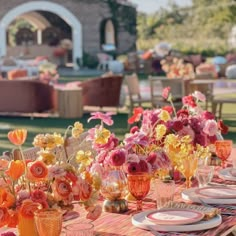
70, 102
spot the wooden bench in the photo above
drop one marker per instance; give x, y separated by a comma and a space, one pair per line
219, 102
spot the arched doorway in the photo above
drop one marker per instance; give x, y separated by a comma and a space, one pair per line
55, 8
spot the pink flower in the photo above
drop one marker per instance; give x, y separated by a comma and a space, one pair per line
210, 127
208, 115
94, 212
177, 125
117, 157
104, 117
186, 131
189, 101
201, 139
38, 196
56, 172
133, 167
152, 158
134, 129
132, 158
98, 169
199, 96
166, 92
82, 190
138, 138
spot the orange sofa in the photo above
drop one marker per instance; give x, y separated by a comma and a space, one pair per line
26, 96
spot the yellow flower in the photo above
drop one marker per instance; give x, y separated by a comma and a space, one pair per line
102, 136
84, 157
47, 157
58, 139
160, 131
164, 115
97, 182
202, 152
77, 130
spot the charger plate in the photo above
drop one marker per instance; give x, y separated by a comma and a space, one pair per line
192, 195
217, 192
175, 216
228, 174
139, 220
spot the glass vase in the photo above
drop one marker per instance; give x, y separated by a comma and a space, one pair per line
114, 189
26, 226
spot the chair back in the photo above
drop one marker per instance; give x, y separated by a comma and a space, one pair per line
155, 89
177, 87
132, 82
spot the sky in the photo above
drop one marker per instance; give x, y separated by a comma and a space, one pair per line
151, 6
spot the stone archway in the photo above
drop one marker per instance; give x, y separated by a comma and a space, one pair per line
55, 8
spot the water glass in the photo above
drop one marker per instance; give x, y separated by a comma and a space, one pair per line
79, 229
204, 175
165, 190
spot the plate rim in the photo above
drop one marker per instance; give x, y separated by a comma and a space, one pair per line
189, 221
226, 176
204, 225
197, 191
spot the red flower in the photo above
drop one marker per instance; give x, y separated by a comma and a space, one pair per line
133, 167
168, 108
152, 158
223, 128
134, 129
143, 166
137, 113
117, 157
189, 101
208, 115
177, 125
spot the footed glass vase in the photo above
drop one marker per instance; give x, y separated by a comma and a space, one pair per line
114, 189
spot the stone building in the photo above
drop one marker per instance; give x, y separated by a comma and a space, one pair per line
91, 25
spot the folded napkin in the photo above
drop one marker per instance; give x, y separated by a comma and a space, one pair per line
209, 212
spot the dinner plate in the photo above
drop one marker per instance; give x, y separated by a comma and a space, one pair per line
140, 220
216, 192
228, 174
191, 195
175, 216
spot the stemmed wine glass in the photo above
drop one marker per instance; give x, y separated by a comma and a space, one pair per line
223, 150
139, 186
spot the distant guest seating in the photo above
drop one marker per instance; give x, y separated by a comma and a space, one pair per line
17, 73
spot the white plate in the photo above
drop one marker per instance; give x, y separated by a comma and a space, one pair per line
175, 216
226, 174
139, 220
216, 192
190, 194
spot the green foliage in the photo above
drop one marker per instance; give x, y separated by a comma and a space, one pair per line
203, 28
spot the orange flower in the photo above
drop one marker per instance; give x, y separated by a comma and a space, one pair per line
62, 189
37, 171
4, 216
28, 208
13, 221
17, 136
16, 169
6, 198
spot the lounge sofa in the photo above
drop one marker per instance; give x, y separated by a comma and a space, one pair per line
101, 91
26, 96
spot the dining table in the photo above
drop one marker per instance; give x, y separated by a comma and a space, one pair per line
120, 224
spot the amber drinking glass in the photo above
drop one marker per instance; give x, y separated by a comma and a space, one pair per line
48, 222
139, 186
223, 150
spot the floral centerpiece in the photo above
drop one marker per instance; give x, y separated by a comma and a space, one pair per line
176, 68
186, 134
49, 181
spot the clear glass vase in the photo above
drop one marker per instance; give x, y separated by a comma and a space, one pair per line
114, 189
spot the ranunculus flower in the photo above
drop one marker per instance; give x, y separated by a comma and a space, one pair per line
61, 189
37, 171
117, 157
94, 212
137, 114
17, 136
177, 125
82, 190
4, 216
143, 166
133, 167
16, 169
210, 127
28, 208
38, 196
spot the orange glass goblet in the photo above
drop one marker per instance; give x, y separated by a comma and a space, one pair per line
139, 186
48, 222
223, 150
